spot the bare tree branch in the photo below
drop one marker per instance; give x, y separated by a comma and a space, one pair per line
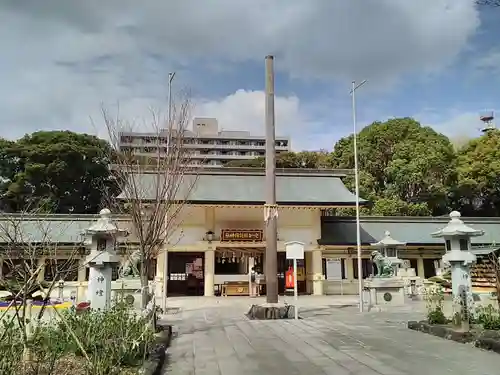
32, 242
156, 178
494, 3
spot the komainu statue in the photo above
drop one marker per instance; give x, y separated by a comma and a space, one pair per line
130, 267
384, 265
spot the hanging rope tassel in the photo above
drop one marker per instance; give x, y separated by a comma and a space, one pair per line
270, 211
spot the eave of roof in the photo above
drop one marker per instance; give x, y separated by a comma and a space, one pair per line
248, 171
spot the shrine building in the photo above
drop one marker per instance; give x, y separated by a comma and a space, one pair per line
221, 236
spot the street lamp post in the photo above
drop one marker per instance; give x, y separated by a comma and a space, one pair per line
356, 183
167, 156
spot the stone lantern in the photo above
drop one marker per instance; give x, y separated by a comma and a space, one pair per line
457, 237
389, 248
101, 239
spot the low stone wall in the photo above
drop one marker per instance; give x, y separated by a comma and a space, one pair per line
157, 357
337, 288
484, 339
78, 289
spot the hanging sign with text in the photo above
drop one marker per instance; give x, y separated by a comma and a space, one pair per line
242, 235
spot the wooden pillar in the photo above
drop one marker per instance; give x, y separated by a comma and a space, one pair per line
270, 209
309, 272
350, 269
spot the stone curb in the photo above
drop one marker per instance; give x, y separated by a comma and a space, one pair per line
157, 356
488, 340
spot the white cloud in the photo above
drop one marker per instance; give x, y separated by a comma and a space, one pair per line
245, 110
61, 58
313, 38
488, 62
459, 126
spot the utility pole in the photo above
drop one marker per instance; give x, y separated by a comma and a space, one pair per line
356, 181
167, 158
270, 208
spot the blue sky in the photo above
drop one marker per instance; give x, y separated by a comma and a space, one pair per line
435, 60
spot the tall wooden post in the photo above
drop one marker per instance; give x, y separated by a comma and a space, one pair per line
270, 208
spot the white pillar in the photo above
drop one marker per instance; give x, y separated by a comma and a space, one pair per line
209, 272
250, 265
81, 293
317, 269
41, 264
161, 272
420, 268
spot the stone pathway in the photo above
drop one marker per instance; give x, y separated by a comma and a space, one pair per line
340, 341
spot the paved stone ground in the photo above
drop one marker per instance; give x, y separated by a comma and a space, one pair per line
219, 340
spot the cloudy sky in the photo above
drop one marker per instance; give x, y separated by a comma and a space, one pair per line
435, 60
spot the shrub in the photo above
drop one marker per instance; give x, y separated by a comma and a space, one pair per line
436, 316
434, 298
11, 347
488, 317
113, 340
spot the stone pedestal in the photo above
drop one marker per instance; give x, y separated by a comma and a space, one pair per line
385, 292
271, 311
128, 290
413, 284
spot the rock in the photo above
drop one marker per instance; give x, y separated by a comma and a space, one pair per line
490, 334
488, 344
414, 325
489, 340
271, 312
157, 355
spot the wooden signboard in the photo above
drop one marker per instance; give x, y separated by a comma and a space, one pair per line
241, 235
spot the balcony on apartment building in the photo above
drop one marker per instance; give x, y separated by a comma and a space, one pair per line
281, 145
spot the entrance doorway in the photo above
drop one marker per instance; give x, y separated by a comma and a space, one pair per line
185, 274
232, 267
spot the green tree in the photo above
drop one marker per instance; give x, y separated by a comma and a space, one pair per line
303, 159
259, 162
61, 171
478, 189
7, 167
406, 166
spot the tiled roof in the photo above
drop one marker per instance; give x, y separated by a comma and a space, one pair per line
315, 189
412, 230
48, 228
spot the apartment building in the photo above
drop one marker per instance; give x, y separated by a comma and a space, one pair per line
210, 146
